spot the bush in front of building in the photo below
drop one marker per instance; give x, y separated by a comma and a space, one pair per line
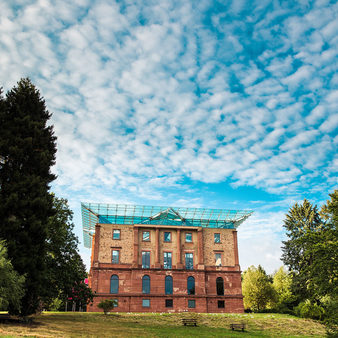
107, 305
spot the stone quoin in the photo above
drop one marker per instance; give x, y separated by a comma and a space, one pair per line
164, 259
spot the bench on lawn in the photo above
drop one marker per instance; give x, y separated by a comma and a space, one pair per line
237, 326
189, 321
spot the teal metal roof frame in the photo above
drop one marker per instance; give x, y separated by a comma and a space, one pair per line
93, 213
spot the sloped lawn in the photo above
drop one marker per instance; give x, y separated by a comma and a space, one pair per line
72, 324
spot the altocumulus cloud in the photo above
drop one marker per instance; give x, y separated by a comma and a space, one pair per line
153, 98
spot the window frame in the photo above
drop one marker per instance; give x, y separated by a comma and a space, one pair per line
144, 300
221, 302
116, 286
191, 301
145, 240
170, 236
146, 287
168, 279
189, 267
188, 233
220, 257
118, 256
219, 238
165, 260
119, 232
144, 252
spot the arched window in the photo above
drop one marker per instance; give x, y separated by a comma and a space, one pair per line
220, 286
145, 284
191, 285
114, 284
168, 285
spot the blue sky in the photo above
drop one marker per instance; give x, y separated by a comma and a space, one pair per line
220, 104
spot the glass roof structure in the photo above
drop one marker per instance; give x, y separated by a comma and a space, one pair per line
93, 213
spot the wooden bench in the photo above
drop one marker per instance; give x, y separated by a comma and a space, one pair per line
189, 321
238, 326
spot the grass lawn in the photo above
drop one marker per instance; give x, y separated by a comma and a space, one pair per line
73, 324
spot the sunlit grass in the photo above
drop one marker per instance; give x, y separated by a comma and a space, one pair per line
71, 324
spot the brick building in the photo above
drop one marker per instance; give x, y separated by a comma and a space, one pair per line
163, 259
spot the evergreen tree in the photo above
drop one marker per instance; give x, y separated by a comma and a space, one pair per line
27, 151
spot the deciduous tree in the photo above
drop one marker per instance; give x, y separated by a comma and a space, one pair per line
65, 268
257, 289
11, 283
282, 283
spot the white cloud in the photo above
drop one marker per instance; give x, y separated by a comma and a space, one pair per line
146, 96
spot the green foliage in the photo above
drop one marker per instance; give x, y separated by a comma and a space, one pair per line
301, 223
81, 293
257, 289
11, 284
107, 305
282, 283
330, 305
65, 267
56, 304
27, 152
308, 309
311, 253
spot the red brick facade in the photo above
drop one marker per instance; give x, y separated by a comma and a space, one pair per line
205, 248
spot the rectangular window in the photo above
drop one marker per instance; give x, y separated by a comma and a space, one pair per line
221, 304
169, 303
188, 237
167, 260
167, 236
189, 261
191, 303
116, 302
217, 238
146, 302
115, 257
218, 259
116, 234
146, 236
145, 259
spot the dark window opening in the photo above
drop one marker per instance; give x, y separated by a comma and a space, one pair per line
219, 286
169, 303
221, 304
191, 285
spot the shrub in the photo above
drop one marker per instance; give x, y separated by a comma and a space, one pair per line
107, 305
307, 309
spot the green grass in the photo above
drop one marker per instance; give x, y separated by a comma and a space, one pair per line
72, 324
